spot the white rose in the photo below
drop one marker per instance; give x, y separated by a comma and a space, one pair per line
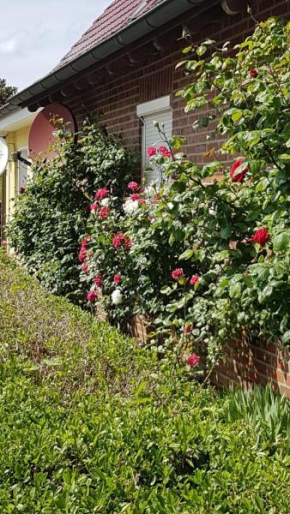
117, 297
130, 207
170, 205
150, 191
105, 202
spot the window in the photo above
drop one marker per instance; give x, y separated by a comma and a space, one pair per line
158, 110
23, 169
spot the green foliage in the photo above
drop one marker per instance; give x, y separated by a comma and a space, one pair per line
51, 215
92, 423
232, 233
6, 92
266, 411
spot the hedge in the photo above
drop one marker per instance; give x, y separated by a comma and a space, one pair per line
90, 423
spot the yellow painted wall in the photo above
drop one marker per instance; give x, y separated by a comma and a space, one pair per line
16, 141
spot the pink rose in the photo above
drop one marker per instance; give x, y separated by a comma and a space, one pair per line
117, 279
92, 296
151, 151
94, 207
135, 196
133, 186
187, 330
82, 254
101, 193
193, 360
104, 212
98, 280
194, 279
85, 267
177, 273
164, 151
121, 240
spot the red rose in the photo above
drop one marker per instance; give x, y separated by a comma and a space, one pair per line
94, 207
98, 280
253, 73
85, 267
187, 330
127, 243
261, 237
104, 212
133, 186
135, 196
92, 296
177, 273
101, 193
121, 240
238, 177
82, 254
193, 360
151, 151
85, 241
163, 150
194, 279
22, 190
117, 279
117, 240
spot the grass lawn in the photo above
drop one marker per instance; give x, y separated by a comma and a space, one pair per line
89, 423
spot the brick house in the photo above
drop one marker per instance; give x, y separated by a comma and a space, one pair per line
123, 67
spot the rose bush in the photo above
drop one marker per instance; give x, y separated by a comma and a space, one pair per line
207, 258
51, 213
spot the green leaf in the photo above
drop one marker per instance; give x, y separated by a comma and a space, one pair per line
286, 337
235, 290
237, 115
248, 281
186, 255
265, 294
281, 242
201, 50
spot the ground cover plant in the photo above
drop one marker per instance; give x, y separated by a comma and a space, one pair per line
92, 423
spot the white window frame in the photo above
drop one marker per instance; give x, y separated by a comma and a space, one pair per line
149, 109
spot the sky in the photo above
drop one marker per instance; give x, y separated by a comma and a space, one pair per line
36, 34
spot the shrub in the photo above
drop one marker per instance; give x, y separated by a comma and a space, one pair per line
230, 237
91, 423
51, 215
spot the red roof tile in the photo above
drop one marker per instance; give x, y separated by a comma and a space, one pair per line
113, 19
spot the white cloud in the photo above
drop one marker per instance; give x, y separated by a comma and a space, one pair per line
35, 35
9, 46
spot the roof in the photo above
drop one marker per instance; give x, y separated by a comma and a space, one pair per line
115, 30
114, 18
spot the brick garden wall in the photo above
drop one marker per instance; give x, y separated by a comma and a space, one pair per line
117, 97
250, 362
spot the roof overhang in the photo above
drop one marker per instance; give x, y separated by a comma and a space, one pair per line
16, 120
164, 12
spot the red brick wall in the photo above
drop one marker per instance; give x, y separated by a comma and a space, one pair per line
117, 99
258, 362
118, 96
